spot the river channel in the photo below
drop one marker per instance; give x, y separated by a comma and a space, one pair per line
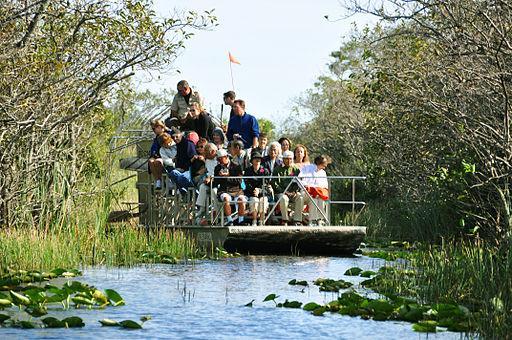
206, 300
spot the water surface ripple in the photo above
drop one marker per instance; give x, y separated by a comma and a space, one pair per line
205, 300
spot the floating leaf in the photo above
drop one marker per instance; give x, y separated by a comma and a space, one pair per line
100, 297
292, 304
73, 321
271, 297
5, 303
26, 324
147, 317
425, 326
367, 273
249, 304
353, 271
311, 306
129, 324
36, 311
52, 322
114, 296
3, 317
19, 299
108, 322
58, 271
319, 311
80, 300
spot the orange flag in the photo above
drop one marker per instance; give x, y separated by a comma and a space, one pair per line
233, 60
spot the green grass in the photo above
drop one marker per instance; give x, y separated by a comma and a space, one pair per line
80, 236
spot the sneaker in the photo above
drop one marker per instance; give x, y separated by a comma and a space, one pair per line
254, 222
321, 223
262, 223
158, 185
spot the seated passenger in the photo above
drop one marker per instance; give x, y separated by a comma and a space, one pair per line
286, 195
210, 153
198, 163
285, 144
301, 156
155, 162
273, 159
203, 124
185, 152
238, 154
229, 188
314, 179
183, 122
167, 150
257, 189
262, 147
219, 138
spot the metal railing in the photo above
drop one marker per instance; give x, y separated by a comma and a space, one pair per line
175, 209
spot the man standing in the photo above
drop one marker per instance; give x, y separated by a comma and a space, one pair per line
184, 98
229, 99
243, 126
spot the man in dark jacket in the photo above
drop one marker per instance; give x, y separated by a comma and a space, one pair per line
186, 151
230, 189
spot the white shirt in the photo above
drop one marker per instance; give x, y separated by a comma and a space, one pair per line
312, 177
210, 166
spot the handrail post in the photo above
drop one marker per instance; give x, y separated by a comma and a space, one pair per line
353, 200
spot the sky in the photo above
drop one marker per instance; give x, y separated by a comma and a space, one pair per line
283, 47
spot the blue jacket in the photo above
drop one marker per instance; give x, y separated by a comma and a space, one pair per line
265, 163
154, 151
246, 126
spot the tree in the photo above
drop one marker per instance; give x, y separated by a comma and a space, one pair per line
60, 60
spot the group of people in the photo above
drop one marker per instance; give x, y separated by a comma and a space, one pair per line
195, 153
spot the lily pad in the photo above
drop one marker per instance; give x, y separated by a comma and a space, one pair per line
271, 297
52, 322
4, 317
311, 306
108, 322
353, 271
73, 321
19, 299
292, 304
114, 296
425, 326
130, 324
367, 273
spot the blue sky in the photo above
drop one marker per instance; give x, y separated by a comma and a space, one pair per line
283, 46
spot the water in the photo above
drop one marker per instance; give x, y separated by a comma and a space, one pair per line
205, 300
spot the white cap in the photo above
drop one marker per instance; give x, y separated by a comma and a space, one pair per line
287, 154
221, 153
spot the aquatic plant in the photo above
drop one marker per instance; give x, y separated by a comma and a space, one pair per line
38, 300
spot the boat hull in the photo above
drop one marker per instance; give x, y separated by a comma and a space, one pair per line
301, 240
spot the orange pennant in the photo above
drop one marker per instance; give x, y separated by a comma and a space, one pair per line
233, 60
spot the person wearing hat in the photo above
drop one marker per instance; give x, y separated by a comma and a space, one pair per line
185, 151
287, 194
230, 189
257, 189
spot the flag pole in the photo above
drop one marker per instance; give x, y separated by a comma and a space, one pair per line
231, 69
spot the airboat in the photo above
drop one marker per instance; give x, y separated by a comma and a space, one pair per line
128, 154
